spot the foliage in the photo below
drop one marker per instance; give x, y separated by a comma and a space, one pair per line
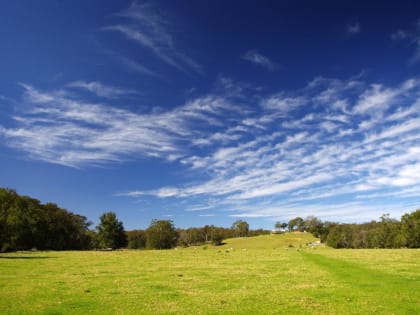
111, 231
280, 226
410, 229
240, 228
296, 224
25, 223
387, 233
137, 239
161, 234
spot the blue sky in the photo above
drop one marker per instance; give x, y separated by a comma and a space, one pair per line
205, 112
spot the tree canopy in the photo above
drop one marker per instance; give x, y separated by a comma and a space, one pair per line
111, 231
25, 223
161, 234
241, 228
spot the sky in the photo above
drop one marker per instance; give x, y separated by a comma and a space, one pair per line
207, 112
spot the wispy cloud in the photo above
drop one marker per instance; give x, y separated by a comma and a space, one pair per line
147, 28
260, 60
412, 36
64, 128
354, 28
323, 149
399, 35
102, 90
315, 156
131, 64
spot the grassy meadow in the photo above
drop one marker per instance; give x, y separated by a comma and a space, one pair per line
271, 274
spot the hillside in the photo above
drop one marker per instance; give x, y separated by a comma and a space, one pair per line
271, 241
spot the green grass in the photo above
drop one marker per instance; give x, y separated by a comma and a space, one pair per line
259, 275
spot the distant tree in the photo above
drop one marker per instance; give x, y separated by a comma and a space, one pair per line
240, 228
390, 230
296, 224
313, 225
410, 226
111, 231
340, 236
137, 239
280, 226
161, 234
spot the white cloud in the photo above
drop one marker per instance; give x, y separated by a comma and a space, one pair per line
260, 60
102, 90
63, 128
329, 152
147, 28
375, 100
283, 104
266, 156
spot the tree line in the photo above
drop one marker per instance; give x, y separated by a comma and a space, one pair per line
26, 223
386, 233
162, 234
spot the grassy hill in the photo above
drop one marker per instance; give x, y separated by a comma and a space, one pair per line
258, 275
272, 241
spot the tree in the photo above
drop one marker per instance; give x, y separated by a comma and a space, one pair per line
411, 229
296, 224
136, 239
25, 223
313, 225
161, 234
111, 231
241, 228
279, 226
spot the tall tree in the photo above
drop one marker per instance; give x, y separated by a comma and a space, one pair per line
411, 229
111, 231
241, 228
161, 234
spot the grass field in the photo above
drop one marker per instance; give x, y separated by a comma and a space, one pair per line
258, 275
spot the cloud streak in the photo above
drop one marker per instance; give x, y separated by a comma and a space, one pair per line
102, 90
63, 128
259, 60
317, 155
145, 27
332, 142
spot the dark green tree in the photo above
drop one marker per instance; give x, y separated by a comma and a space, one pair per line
25, 223
161, 234
411, 229
136, 239
111, 231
